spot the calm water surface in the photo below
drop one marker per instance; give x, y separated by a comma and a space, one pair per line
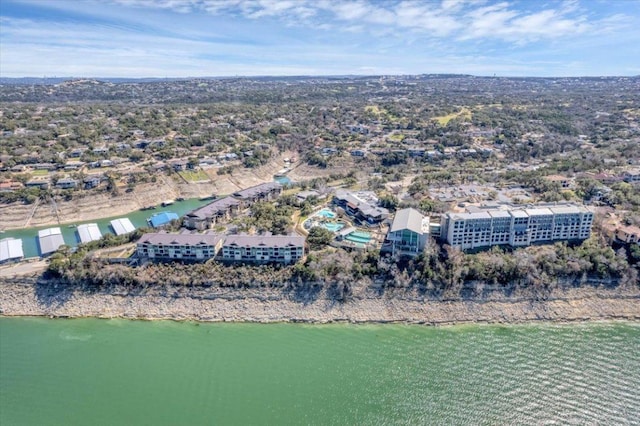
116, 372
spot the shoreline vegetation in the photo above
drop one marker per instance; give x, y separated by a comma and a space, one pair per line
557, 283
34, 297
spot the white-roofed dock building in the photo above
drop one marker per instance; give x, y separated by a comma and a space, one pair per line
122, 226
88, 232
50, 240
10, 250
517, 226
409, 233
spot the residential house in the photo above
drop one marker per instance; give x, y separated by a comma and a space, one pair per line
10, 186
66, 183
631, 176
91, 182
563, 181
77, 153
37, 183
101, 150
73, 165
628, 234
179, 165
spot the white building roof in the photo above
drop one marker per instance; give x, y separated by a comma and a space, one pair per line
499, 214
539, 212
410, 219
568, 210
89, 232
122, 226
50, 240
10, 248
518, 213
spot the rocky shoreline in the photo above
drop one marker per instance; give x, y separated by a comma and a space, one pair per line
32, 297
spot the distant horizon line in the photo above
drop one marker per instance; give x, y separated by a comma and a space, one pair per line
310, 76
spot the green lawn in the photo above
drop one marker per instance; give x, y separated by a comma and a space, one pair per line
193, 175
40, 173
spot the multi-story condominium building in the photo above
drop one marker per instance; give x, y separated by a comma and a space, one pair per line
362, 205
263, 192
408, 234
263, 248
189, 247
207, 216
516, 226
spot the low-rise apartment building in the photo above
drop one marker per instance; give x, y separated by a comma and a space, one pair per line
362, 205
207, 216
264, 192
284, 249
188, 247
516, 226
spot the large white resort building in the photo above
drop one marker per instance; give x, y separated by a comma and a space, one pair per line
516, 226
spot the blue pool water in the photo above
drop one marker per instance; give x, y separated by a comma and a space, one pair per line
326, 213
284, 180
359, 237
333, 227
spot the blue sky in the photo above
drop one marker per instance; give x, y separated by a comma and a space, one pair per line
190, 38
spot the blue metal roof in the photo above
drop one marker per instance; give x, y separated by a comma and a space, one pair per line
162, 218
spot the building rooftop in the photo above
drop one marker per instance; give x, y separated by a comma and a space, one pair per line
50, 240
10, 248
410, 219
89, 232
162, 218
163, 238
539, 212
214, 208
257, 190
499, 213
569, 209
122, 226
265, 240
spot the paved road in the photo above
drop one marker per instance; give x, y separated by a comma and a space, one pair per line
23, 268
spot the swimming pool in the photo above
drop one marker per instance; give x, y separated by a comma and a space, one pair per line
326, 213
333, 226
358, 237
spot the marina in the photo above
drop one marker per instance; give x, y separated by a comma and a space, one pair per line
117, 225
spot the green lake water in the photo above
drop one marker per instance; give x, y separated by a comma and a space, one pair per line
117, 372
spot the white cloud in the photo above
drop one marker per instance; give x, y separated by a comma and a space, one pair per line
211, 37
463, 19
